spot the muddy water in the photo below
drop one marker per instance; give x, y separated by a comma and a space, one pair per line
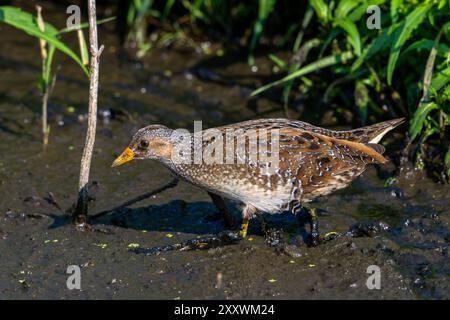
175, 87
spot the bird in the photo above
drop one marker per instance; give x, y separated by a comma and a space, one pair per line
296, 162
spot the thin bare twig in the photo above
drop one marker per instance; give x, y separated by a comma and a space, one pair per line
80, 213
46, 90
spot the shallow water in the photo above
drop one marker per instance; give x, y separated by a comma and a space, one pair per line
175, 87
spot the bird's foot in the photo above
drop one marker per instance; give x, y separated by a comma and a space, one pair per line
243, 230
224, 238
274, 238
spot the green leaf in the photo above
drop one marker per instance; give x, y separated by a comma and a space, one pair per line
48, 66
360, 11
362, 100
427, 44
412, 21
265, 8
383, 41
419, 117
321, 9
440, 79
26, 22
280, 63
167, 9
83, 48
85, 25
447, 159
395, 8
352, 34
315, 66
344, 7
299, 57
428, 133
428, 74
331, 36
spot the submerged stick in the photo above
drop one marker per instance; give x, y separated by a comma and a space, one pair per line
80, 213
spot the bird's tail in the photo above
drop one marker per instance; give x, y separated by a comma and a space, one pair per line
373, 134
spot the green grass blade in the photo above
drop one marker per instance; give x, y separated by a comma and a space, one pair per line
357, 13
167, 9
321, 9
85, 25
352, 34
394, 9
26, 22
84, 52
315, 66
264, 10
300, 56
419, 117
362, 100
428, 74
447, 161
279, 62
426, 45
48, 64
383, 41
412, 21
344, 7
440, 79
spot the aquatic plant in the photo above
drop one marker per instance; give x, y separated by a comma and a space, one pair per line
138, 11
49, 38
357, 54
265, 7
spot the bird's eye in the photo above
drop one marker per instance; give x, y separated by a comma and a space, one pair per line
144, 144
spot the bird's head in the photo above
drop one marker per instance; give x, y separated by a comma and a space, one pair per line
151, 142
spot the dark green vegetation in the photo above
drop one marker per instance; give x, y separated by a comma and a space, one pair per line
50, 41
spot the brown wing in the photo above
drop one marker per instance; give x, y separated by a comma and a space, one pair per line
372, 133
310, 164
322, 164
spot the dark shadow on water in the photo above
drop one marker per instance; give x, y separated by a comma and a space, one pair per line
195, 218
175, 216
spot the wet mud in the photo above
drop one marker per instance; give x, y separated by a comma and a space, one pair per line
175, 86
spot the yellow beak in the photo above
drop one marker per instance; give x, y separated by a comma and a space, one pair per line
127, 155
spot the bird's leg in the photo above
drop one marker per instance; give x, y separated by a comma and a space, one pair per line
220, 205
314, 222
244, 227
314, 238
248, 213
